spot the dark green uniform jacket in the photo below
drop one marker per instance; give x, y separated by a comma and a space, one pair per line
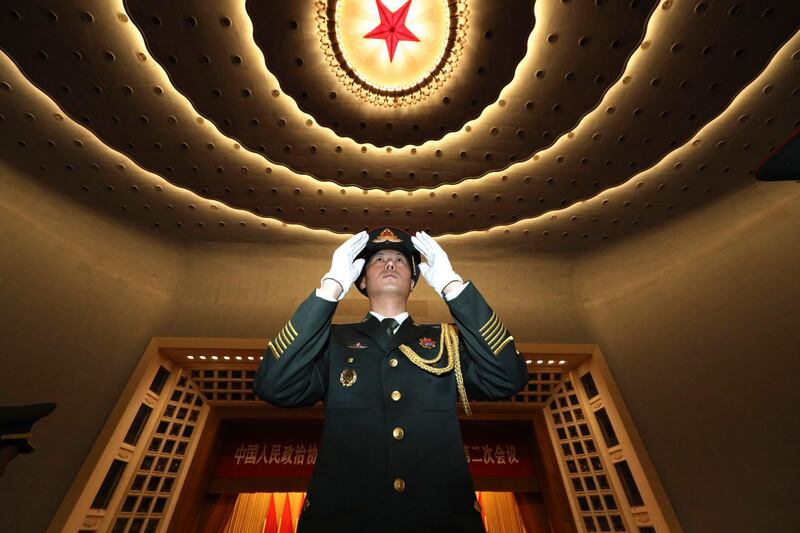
391, 456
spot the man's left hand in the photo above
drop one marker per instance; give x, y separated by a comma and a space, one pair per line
437, 271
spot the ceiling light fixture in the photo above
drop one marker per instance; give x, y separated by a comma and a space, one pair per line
350, 35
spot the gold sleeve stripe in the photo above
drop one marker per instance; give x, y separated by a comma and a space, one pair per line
284, 338
498, 335
280, 344
275, 354
291, 328
493, 331
497, 350
498, 340
488, 322
287, 332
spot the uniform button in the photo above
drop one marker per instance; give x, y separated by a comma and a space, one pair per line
396, 395
397, 433
393, 362
350, 359
399, 485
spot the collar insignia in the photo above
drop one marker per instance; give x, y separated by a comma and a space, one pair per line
386, 235
357, 346
425, 342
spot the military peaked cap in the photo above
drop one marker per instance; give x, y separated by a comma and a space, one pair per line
389, 238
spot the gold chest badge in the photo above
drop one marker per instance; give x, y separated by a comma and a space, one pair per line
348, 377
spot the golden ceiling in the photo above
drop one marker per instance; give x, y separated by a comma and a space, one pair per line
564, 124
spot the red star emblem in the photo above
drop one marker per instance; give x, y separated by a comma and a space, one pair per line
392, 28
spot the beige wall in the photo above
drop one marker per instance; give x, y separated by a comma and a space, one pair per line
697, 319
81, 296
700, 323
251, 290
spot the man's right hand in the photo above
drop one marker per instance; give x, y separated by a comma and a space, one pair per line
345, 268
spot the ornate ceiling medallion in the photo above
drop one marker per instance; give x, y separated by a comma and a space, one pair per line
392, 53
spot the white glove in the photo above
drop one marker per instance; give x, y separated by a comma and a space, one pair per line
437, 271
345, 268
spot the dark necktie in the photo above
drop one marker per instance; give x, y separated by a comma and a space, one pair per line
388, 325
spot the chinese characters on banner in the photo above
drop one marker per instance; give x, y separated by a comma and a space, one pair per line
494, 449
271, 449
276, 450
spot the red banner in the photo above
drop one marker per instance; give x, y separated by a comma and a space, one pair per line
271, 449
498, 450
290, 449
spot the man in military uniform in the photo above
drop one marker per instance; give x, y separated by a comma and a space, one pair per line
391, 456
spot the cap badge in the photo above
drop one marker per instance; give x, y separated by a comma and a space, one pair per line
357, 346
386, 235
348, 377
425, 342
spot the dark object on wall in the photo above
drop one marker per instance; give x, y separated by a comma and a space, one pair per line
784, 163
16, 423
